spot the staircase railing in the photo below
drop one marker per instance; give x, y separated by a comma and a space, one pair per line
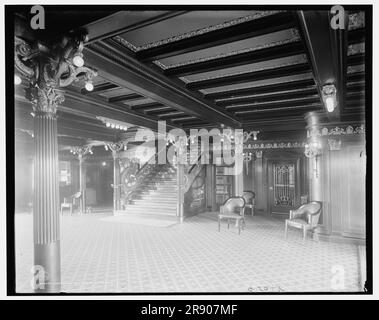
133, 179
194, 193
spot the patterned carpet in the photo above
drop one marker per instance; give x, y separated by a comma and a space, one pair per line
99, 256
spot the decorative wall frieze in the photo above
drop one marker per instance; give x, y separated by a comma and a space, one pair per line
194, 33
275, 145
334, 145
356, 20
336, 131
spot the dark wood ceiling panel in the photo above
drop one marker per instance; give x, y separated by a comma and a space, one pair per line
298, 94
249, 76
209, 39
356, 59
149, 106
356, 36
126, 97
275, 104
124, 70
292, 85
276, 52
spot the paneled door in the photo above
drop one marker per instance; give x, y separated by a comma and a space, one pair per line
283, 185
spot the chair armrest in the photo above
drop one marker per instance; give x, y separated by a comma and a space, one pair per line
221, 209
296, 214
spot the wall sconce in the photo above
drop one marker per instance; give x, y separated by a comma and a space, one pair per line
329, 96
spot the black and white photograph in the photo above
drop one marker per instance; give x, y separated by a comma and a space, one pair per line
184, 149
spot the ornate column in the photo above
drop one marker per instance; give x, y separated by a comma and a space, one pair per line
46, 217
313, 151
81, 152
44, 70
115, 148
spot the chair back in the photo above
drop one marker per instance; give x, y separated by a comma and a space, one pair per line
313, 211
249, 197
233, 205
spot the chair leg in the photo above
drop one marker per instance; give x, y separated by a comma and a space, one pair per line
228, 223
239, 227
286, 229
304, 233
219, 224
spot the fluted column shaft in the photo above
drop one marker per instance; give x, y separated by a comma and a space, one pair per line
46, 219
82, 183
116, 182
180, 183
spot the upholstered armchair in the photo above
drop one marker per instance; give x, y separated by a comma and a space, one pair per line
249, 197
71, 202
306, 217
233, 209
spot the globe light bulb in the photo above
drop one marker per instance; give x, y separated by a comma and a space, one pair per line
108, 124
78, 60
17, 80
89, 86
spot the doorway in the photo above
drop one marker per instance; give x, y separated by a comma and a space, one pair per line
283, 186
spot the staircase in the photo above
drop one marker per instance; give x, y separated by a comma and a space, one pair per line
156, 195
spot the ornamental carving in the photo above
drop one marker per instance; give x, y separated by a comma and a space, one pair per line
116, 147
275, 145
194, 33
48, 68
334, 145
356, 20
336, 131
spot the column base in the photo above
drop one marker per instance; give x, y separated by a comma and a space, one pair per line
47, 268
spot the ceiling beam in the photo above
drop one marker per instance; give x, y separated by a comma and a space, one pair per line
261, 115
296, 94
272, 88
270, 53
356, 59
250, 76
236, 32
356, 36
125, 21
327, 50
274, 104
100, 88
118, 67
126, 97
97, 107
148, 106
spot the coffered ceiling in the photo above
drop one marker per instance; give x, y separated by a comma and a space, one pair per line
206, 68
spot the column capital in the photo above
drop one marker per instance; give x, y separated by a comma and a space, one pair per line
81, 151
116, 147
49, 68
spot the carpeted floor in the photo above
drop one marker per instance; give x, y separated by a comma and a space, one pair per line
105, 256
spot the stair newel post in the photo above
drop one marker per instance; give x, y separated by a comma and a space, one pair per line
80, 152
180, 183
181, 160
116, 148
